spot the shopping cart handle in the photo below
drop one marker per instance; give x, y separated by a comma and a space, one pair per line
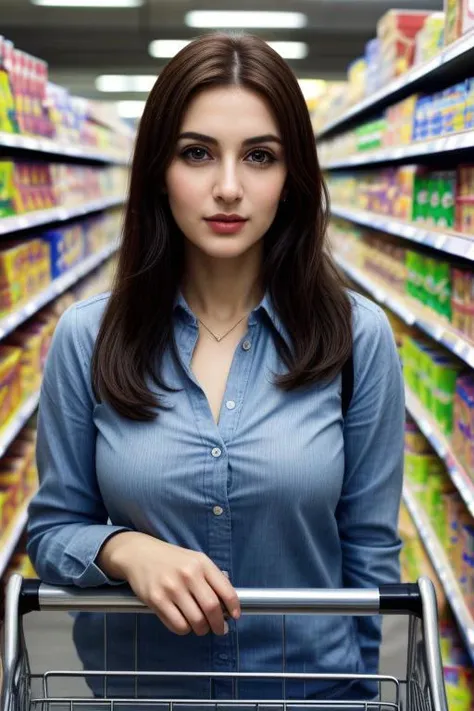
400, 599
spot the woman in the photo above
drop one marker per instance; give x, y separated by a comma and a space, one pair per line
191, 437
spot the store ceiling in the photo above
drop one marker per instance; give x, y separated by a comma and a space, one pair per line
80, 44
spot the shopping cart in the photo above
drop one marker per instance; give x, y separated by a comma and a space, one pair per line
422, 689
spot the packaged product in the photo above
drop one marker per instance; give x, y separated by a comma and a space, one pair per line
453, 14
10, 383
396, 31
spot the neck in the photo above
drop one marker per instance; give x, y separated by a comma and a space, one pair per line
222, 290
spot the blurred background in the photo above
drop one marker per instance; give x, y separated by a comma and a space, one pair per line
114, 49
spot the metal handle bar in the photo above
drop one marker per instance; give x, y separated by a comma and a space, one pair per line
390, 599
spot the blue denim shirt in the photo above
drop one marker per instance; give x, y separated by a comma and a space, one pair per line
281, 493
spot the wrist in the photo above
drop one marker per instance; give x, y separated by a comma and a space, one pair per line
112, 557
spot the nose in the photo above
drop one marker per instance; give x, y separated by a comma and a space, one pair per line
228, 186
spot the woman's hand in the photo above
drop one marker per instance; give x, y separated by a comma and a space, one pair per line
184, 588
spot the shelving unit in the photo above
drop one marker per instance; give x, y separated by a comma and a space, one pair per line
411, 312
440, 562
28, 220
400, 154
54, 148
454, 61
17, 422
457, 244
12, 534
442, 446
57, 287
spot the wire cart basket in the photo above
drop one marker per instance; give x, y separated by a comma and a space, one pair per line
421, 690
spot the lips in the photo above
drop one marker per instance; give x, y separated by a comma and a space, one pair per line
226, 218
226, 224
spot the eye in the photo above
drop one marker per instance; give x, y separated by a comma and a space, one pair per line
261, 157
196, 154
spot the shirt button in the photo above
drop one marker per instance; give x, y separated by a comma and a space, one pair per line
246, 345
217, 510
230, 405
216, 452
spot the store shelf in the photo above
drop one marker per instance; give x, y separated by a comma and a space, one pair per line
57, 287
47, 146
55, 214
12, 534
411, 312
454, 61
440, 562
442, 446
419, 149
449, 242
18, 421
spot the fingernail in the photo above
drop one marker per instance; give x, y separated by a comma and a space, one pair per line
226, 627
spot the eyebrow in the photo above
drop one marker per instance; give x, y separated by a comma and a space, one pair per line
255, 140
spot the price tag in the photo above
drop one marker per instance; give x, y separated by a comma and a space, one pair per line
470, 252
452, 143
30, 308
466, 140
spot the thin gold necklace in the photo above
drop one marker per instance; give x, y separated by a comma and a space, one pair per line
220, 338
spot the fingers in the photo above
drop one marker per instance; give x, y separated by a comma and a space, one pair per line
194, 613
223, 589
210, 606
171, 617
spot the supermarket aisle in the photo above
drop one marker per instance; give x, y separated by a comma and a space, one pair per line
49, 636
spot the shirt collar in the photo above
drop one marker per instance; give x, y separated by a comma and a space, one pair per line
266, 305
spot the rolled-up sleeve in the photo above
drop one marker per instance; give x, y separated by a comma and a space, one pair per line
367, 513
67, 519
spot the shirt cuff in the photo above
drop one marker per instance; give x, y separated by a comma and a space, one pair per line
84, 549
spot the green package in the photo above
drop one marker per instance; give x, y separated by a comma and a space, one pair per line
447, 213
429, 284
443, 374
7, 206
420, 198
443, 289
433, 198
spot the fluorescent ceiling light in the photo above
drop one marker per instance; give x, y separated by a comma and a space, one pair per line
166, 48
290, 50
211, 18
130, 109
88, 3
125, 83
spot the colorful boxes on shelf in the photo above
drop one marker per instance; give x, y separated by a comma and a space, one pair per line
396, 32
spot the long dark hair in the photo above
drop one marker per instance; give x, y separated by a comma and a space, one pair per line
304, 285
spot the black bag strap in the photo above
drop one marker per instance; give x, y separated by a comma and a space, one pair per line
347, 384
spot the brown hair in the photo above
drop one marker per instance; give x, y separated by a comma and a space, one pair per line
303, 283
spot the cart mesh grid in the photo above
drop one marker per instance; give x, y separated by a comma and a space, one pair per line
421, 690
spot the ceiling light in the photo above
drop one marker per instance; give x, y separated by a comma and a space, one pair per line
211, 18
166, 48
290, 50
125, 83
88, 3
130, 109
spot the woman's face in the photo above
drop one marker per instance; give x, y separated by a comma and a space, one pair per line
226, 179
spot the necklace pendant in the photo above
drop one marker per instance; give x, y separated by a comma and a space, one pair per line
218, 339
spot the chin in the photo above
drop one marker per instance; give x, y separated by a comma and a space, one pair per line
224, 247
